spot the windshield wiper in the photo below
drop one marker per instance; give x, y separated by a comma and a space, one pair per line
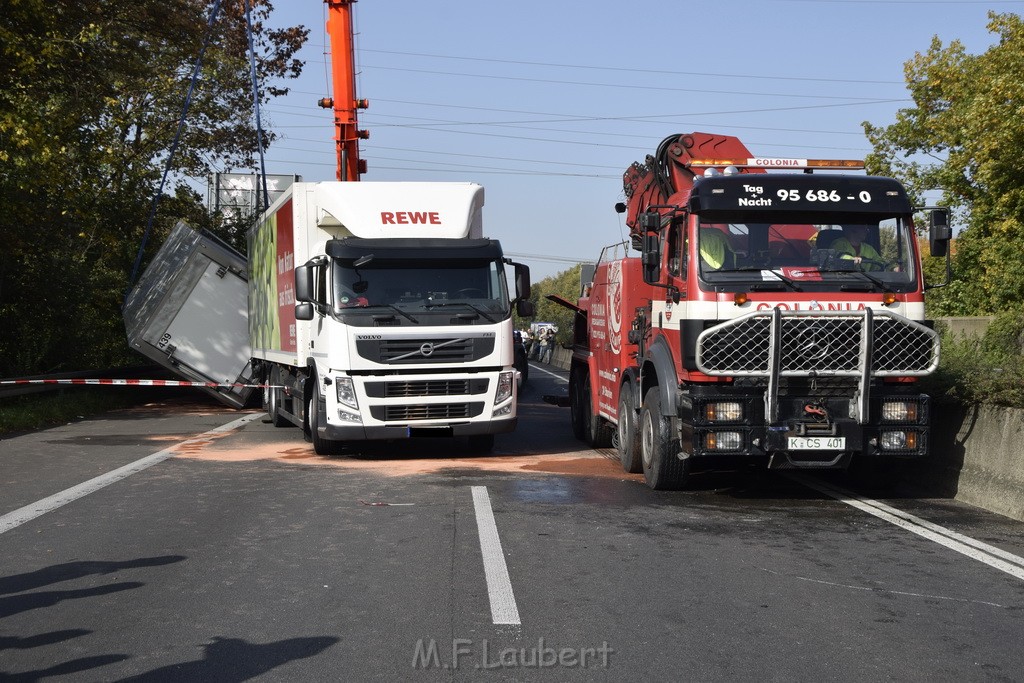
394, 308
461, 303
774, 271
878, 283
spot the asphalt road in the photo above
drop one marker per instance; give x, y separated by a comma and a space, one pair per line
240, 554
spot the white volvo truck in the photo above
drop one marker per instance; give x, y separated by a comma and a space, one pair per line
379, 311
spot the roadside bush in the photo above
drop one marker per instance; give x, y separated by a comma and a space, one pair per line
987, 369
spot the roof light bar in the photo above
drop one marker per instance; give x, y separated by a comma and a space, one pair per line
779, 162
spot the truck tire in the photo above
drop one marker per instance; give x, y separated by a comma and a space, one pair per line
273, 400
658, 446
596, 431
321, 446
599, 431
626, 431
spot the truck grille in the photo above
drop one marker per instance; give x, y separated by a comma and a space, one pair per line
429, 387
827, 343
405, 351
430, 411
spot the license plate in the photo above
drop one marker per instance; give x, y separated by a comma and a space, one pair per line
817, 443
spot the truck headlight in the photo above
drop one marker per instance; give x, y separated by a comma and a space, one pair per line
346, 392
899, 411
723, 411
723, 441
899, 441
506, 381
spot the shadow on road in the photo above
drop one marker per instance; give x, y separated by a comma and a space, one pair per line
233, 659
76, 570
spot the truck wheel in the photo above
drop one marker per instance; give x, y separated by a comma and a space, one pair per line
586, 426
321, 446
658, 447
274, 402
629, 444
599, 432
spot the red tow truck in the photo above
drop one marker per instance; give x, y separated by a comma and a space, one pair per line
773, 318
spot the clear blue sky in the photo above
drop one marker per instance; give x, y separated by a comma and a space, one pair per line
546, 103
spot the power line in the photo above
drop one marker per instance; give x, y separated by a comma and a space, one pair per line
432, 128
605, 85
453, 154
636, 70
602, 134
653, 119
549, 259
602, 118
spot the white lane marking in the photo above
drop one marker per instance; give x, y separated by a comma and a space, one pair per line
976, 550
41, 507
499, 586
548, 372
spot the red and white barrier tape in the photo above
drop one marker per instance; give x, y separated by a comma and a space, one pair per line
139, 383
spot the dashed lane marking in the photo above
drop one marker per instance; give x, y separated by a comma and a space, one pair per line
499, 586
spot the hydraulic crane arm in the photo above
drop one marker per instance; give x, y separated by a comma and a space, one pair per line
666, 177
344, 102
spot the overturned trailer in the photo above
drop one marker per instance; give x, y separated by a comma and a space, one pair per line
189, 313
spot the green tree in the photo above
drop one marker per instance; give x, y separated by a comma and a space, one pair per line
965, 136
565, 284
90, 96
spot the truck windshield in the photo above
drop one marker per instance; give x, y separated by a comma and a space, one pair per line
876, 254
473, 290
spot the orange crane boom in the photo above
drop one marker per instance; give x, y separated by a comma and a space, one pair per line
344, 102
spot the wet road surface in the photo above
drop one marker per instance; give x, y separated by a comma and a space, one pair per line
242, 555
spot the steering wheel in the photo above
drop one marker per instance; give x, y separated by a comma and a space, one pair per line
470, 293
882, 265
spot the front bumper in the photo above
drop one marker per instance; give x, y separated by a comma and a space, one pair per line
432, 404
810, 431
387, 432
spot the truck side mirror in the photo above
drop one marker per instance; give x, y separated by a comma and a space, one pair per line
522, 281
304, 311
939, 232
524, 308
650, 221
304, 285
650, 258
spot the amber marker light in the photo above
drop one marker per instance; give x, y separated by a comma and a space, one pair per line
740, 298
888, 299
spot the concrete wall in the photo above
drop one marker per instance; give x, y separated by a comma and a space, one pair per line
971, 327
976, 458
561, 358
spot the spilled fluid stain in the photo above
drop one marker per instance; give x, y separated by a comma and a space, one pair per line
402, 459
590, 467
298, 454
